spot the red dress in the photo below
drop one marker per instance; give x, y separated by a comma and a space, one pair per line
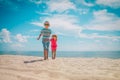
53, 44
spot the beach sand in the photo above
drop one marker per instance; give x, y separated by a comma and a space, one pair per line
14, 67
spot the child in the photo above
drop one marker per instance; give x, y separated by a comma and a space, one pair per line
53, 45
45, 32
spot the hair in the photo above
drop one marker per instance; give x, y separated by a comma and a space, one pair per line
54, 36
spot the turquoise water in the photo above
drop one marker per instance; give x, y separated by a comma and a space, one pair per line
86, 54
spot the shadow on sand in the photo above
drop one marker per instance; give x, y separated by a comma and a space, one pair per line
32, 61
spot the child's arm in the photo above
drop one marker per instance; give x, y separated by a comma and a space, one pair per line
39, 36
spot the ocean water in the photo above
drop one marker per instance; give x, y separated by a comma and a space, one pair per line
82, 54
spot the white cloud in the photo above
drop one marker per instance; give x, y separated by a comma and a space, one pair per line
97, 36
60, 5
110, 3
35, 30
21, 38
29, 36
104, 21
87, 4
36, 1
83, 10
116, 39
5, 36
60, 33
37, 23
17, 45
83, 2
43, 13
64, 24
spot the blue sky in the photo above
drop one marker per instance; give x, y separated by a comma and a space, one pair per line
81, 25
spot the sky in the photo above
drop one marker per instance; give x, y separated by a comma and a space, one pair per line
81, 25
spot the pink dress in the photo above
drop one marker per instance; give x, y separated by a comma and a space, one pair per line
53, 44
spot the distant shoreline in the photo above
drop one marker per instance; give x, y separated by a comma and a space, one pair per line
83, 54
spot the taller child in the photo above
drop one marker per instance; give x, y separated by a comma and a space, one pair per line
45, 33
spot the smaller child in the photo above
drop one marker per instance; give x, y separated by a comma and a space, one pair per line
53, 45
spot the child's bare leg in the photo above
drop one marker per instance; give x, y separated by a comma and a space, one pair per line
52, 54
44, 54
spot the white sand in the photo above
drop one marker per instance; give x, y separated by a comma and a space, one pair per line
14, 68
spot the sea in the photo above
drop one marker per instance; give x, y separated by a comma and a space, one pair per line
68, 54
